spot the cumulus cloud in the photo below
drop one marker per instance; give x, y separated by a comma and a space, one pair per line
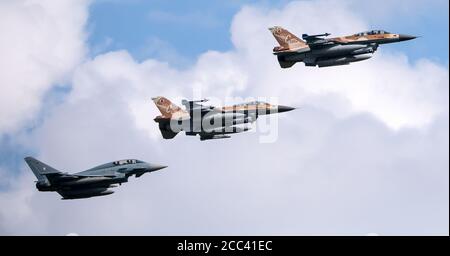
367, 152
42, 41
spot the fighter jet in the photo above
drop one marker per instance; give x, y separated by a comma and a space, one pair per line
207, 121
318, 50
90, 183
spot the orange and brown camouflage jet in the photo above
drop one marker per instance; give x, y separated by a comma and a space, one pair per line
207, 121
317, 50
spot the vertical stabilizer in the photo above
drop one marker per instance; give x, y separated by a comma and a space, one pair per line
40, 169
286, 39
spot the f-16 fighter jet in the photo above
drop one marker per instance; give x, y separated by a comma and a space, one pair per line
90, 183
207, 121
318, 50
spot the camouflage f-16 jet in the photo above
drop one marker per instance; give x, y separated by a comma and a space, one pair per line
90, 183
207, 121
317, 50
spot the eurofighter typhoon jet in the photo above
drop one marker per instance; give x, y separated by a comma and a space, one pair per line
207, 121
90, 183
317, 50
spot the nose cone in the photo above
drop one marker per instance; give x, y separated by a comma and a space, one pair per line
282, 108
406, 37
155, 167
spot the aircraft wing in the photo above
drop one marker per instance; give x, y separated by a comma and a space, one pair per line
67, 177
56, 177
46, 173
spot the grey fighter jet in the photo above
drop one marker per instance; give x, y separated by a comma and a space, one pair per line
207, 121
89, 183
318, 50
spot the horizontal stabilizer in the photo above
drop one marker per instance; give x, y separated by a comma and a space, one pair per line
168, 134
285, 64
164, 127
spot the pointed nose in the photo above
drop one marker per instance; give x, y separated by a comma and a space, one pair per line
155, 167
406, 37
282, 108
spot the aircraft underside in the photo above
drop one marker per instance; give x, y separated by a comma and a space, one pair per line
329, 56
206, 128
78, 188
84, 193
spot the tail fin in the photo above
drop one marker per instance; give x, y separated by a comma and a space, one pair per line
40, 169
167, 108
286, 39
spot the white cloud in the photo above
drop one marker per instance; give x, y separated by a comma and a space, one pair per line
20, 213
41, 43
367, 152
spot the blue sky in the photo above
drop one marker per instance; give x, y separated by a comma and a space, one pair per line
191, 28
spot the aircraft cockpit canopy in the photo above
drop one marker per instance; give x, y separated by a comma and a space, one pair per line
127, 161
372, 32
